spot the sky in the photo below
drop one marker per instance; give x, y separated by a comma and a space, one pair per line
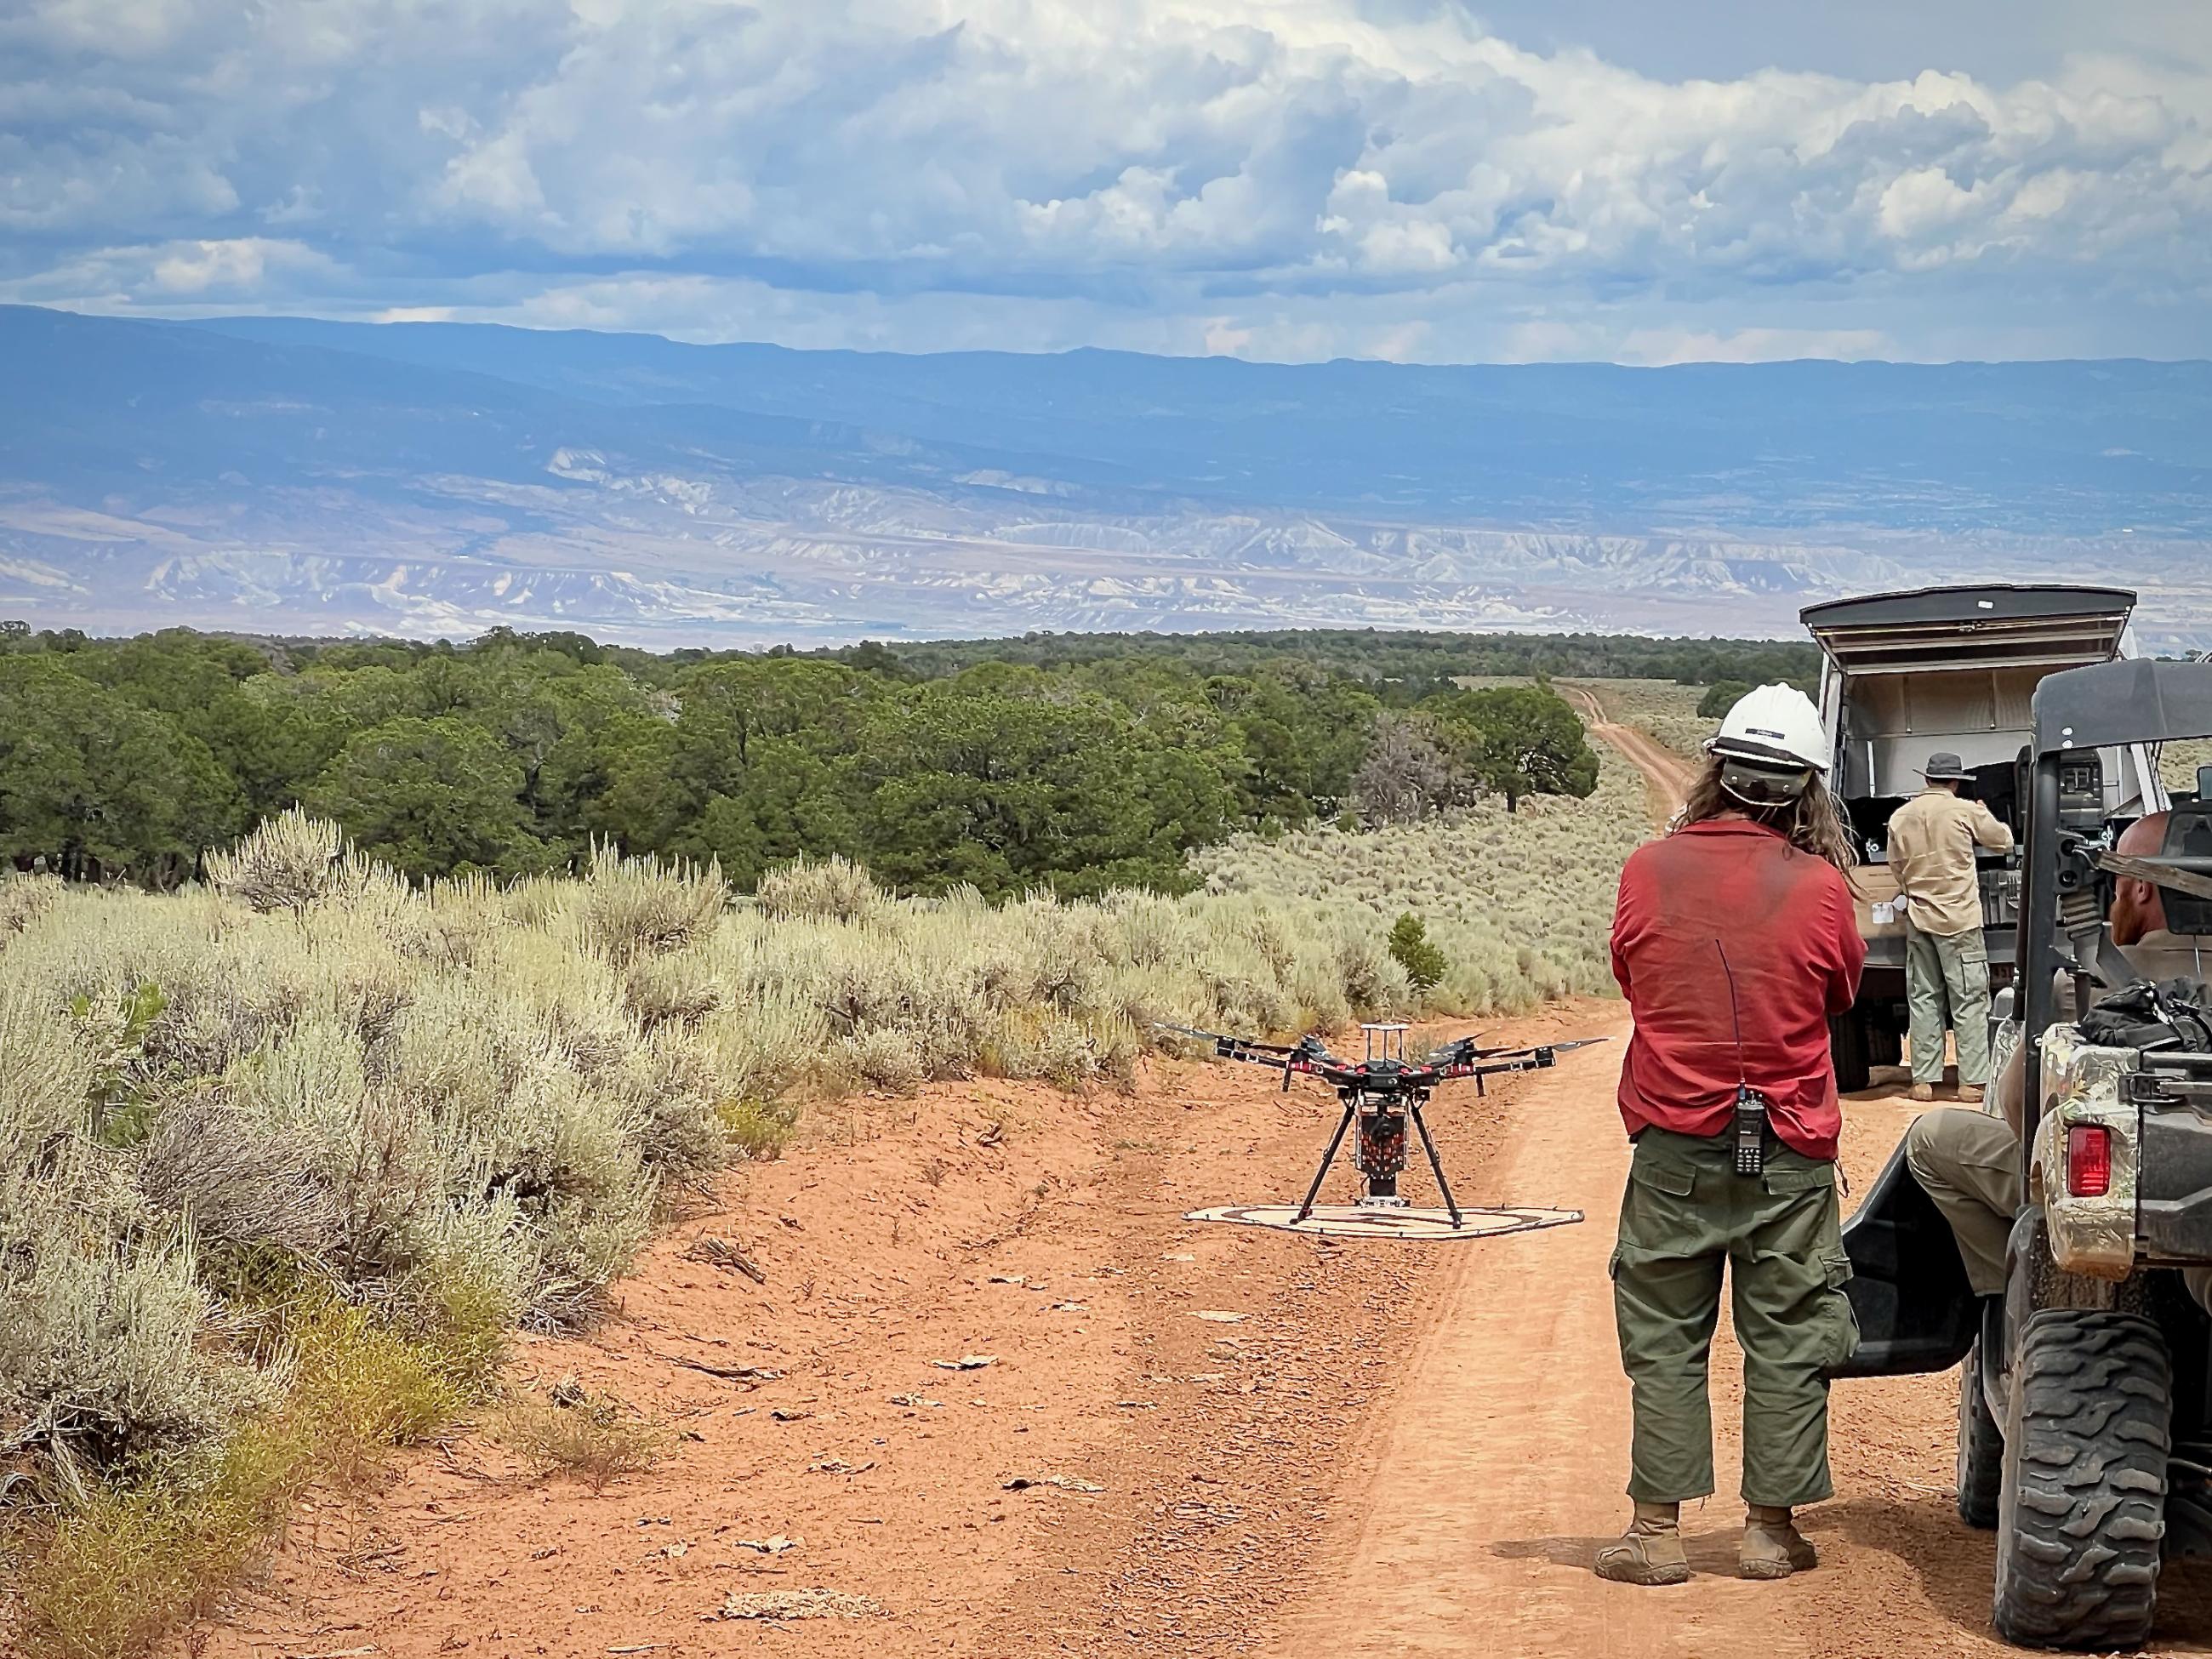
1640, 181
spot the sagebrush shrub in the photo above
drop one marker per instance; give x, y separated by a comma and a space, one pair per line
288, 864
22, 897
398, 1121
634, 906
105, 1358
1520, 905
681, 990
126, 1564
241, 1183
833, 888
886, 1058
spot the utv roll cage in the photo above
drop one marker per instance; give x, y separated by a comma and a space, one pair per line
2085, 1426
2114, 706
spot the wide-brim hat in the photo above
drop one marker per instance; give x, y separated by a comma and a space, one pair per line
1946, 767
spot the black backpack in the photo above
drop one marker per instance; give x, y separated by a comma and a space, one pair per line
2177, 1014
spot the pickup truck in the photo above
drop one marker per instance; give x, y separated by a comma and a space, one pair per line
1906, 674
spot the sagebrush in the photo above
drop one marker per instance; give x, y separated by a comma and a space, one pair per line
1660, 709
284, 1158
1518, 904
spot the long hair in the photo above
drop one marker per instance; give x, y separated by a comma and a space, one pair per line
1812, 823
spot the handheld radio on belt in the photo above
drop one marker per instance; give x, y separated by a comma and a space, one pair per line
1751, 1106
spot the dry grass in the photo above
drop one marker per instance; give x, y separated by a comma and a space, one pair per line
593, 1438
1519, 905
1661, 708
120, 1572
116, 1572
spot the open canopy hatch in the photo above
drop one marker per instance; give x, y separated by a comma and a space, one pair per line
1952, 669
2000, 625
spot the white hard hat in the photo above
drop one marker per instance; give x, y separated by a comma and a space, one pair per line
1775, 726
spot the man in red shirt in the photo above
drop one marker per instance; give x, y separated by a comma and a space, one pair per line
1735, 940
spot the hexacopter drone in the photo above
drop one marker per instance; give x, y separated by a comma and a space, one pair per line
1381, 1091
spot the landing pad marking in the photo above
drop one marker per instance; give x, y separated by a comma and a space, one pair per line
1355, 1221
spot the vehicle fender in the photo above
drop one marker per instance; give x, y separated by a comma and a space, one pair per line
2084, 1084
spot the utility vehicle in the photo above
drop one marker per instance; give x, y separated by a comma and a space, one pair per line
2085, 1414
1948, 668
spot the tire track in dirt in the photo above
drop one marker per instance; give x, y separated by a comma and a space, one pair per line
1666, 775
1201, 1389
1502, 1448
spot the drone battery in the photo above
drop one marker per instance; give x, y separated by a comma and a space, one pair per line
1750, 1130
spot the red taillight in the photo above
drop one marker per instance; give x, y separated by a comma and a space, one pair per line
2088, 1160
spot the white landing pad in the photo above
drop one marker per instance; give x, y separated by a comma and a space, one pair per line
1360, 1221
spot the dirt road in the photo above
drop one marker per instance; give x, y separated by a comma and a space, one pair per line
1667, 774
1168, 1437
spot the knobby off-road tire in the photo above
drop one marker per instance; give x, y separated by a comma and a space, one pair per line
2082, 1511
1847, 1045
1981, 1448
1884, 1045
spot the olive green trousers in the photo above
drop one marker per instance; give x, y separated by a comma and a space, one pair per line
1946, 983
1685, 1215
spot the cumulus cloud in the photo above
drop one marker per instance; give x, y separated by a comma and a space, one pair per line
1307, 176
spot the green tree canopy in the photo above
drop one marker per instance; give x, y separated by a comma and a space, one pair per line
1072, 761
1518, 740
1721, 696
85, 775
430, 796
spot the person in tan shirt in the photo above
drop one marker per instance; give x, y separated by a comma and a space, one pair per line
1933, 839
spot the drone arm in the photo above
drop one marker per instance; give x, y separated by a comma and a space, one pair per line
1308, 1058
1476, 1062
1534, 1059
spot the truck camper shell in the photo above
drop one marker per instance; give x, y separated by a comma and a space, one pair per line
1952, 669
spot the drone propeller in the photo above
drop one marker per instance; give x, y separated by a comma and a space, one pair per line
1469, 1049
1225, 1043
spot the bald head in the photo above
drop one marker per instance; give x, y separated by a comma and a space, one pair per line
2137, 907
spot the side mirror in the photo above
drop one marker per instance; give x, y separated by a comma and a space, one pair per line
2001, 1004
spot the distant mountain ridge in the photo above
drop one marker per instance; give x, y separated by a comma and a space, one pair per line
443, 478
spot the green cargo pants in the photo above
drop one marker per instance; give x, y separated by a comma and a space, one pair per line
1685, 1213
1968, 1162
1946, 981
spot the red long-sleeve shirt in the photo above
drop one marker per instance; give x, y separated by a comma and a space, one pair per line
1785, 919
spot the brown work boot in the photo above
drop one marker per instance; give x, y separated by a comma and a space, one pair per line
1923, 1091
1970, 1093
1773, 1546
1651, 1551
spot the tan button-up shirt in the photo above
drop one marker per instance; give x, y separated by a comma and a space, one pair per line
1932, 839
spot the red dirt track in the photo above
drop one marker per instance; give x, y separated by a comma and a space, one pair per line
1378, 1448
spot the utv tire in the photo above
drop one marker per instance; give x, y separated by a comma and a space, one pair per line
1847, 1044
1884, 1045
1981, 1448
2082, 1510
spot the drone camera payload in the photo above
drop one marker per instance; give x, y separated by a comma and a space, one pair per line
1382, 1092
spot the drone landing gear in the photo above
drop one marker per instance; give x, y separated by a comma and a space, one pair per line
1380, 1157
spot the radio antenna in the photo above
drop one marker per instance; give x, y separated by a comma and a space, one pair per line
1735, 1016
1751, 1106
